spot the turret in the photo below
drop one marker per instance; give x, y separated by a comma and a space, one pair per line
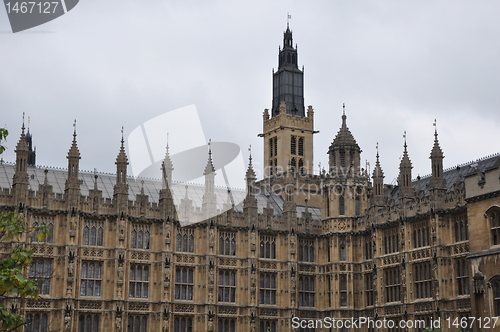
344, 152
436, 157
288, 80
120, 190
378, 183
72, 185
209, 203
404, 178
166, 201
250, 202
20, 180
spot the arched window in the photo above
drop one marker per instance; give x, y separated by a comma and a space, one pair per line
226, 325
185, 243
267, 247
86, 236
301, 166
293, 165
146, 240
357, 206
100, 234
301, 146
494, 218
134, 239
341, 205
293, 145
342, 249
496, 296
93, 236
139, 239
137, 324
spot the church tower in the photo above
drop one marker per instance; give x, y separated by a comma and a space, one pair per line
288, 130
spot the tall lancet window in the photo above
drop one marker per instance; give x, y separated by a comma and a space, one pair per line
341, 205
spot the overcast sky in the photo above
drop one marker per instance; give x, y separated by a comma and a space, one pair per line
397, 65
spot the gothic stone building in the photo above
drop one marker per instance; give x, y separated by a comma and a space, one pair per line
338, 244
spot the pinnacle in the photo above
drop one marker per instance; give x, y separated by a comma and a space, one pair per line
344, 136
210, 166
73, 151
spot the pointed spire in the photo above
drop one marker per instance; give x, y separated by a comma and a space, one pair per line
167, 167
437, 180
122, 155
378, 180
378, 172
250, 201
250, 177
73, 151
29, 142
72, 185
404, 179
210, 166
344, 136
22, 144
405, 160
436, 149
120, 190
20, 181
344, 151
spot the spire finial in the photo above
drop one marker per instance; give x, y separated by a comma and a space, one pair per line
435, 129
288, 18
344, 117
404, 136
210, 147
22, 128
250, 151
29, 120
122, 137
74, 131
377, 150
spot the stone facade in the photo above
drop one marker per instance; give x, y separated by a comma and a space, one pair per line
346, 246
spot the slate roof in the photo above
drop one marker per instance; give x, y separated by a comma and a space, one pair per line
452, 175
106, 181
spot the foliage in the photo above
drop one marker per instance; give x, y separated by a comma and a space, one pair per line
14, 264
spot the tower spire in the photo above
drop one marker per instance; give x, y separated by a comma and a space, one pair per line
20, 180
404, 179
437, 180
167, 168
288, 80
344, 151
72, 186
378, 181
120, 190
209, 202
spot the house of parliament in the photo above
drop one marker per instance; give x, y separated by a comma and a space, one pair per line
301, 251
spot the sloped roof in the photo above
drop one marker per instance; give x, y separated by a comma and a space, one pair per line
452, 175
106, 181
